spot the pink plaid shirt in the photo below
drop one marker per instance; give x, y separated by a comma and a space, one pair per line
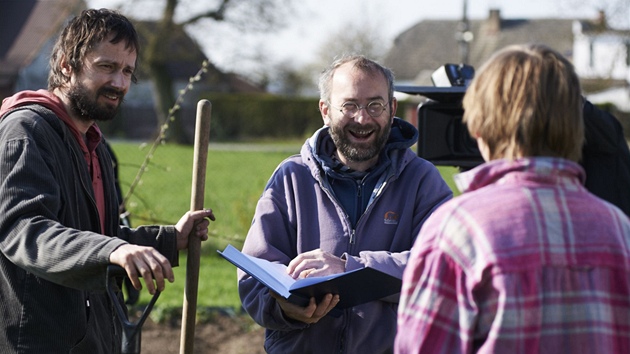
525, 261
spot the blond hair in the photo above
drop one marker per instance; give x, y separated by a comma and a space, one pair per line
526, 101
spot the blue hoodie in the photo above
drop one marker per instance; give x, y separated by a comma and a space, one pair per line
300, 211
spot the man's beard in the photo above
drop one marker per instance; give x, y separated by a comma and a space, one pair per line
89, 109
359, 152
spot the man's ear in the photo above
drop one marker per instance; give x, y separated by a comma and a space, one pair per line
66, 69
394, 106
324, 110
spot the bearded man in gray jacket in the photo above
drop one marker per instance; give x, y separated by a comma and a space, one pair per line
59, 226
356, 196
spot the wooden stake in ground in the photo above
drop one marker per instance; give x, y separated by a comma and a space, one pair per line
202, 137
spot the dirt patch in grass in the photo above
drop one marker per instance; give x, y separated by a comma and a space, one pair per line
221, 334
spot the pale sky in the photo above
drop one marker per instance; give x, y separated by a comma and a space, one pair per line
316, 20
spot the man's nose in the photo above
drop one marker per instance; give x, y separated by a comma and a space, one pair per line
362, 115
120, 81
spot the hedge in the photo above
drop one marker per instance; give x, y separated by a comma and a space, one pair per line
255, 116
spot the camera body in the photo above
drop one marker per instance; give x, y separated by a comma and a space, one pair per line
444, 139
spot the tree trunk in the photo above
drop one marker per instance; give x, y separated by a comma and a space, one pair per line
156, 56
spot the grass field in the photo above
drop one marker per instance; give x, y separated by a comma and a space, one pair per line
236, 175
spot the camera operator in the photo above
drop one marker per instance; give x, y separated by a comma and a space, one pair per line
526, 259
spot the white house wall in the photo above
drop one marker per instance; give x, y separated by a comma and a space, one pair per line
600, 56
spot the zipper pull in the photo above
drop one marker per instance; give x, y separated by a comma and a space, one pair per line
352, 236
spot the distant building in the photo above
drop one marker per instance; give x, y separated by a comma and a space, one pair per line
602, 59
601, 55
601, 52
25, 26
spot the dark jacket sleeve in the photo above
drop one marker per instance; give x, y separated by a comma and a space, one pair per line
48, 220
35, 210
606, 158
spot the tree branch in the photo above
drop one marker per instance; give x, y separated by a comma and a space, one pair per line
217, 14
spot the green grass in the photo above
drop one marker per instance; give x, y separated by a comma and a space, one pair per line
235, 179
234, 182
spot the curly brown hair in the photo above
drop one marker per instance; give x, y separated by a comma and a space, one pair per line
82, 34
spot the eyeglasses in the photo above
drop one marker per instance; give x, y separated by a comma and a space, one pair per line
350, 109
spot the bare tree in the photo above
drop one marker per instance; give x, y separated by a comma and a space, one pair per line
287, 78
363, 39
242, 15
359, 38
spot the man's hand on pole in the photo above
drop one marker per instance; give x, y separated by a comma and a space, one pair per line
197, 219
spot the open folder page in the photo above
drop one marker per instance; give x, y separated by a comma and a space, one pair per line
354, 287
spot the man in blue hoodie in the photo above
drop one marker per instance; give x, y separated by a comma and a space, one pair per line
356, 196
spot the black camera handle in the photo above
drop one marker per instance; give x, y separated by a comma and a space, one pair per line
131, 335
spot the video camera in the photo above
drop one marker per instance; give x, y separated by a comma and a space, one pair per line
444, 139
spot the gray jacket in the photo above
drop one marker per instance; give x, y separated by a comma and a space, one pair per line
53, 253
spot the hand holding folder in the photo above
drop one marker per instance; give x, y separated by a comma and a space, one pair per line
354, 287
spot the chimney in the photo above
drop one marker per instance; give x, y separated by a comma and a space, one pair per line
600, 22
493, 23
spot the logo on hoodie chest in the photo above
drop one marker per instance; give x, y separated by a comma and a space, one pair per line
391, 218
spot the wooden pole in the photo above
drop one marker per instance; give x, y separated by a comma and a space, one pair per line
202, 137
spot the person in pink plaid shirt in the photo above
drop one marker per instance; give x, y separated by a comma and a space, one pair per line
526, 260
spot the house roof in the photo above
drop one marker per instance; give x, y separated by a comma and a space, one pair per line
25, 26
423, 48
